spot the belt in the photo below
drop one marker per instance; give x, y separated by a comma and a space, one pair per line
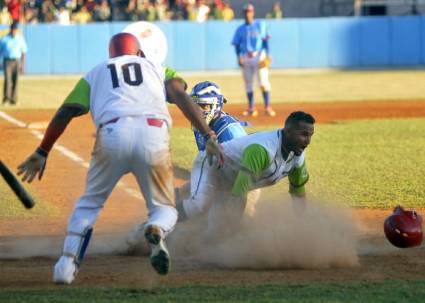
252, 54
151, 122
108, 122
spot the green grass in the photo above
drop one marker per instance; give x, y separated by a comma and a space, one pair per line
386, 292
376, 163
11, 207
373, 164
300, 86
328, 85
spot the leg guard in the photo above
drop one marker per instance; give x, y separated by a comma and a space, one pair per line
82, 245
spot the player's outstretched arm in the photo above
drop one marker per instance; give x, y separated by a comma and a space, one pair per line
298, 177
35, 164
177, 94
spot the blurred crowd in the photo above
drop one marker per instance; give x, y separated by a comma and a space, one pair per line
84, 11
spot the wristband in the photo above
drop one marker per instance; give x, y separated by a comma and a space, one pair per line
41, 152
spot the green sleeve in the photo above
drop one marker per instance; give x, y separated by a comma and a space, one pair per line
298, 177
172, 74
80, 96
255, 159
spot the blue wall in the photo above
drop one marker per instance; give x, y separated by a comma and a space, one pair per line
296, 43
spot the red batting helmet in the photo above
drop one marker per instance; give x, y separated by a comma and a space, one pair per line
123, 44
404, 228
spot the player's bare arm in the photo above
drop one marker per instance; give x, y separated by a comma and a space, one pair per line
35, 164
176, 93
298, 177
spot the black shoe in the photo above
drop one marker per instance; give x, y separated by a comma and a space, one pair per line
160, 257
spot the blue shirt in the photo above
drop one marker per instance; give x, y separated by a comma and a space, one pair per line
226, 128
12, 47
250, 37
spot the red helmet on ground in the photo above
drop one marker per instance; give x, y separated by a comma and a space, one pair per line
404, 228
123, 44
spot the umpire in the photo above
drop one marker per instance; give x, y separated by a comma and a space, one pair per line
13, 49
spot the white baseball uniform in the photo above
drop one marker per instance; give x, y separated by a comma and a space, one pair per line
219, 184
127, 100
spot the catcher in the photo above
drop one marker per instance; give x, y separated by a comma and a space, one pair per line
210, 99
253, 161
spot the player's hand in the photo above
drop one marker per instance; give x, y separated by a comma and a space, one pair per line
35, 164
299, 205
214, 150
241, 61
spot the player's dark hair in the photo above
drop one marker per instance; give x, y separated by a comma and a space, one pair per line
295, 117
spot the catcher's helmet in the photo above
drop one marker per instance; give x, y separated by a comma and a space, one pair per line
209, 97
403, 228
123, 44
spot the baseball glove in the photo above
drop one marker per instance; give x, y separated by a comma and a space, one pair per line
265, 62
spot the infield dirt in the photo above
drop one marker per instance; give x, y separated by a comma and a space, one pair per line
22, 239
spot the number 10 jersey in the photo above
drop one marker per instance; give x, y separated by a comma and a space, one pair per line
120, 87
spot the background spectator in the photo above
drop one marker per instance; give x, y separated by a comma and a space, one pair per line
82, 11
227, 12
276, 12
62, 16
102, 11
14, 7
82, 16
5, 17
201, 10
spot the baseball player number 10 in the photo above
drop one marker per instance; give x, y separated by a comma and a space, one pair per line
126, 74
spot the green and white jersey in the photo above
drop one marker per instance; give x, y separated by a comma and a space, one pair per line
256, 161
123, 86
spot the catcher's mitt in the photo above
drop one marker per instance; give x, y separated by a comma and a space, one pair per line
265, 62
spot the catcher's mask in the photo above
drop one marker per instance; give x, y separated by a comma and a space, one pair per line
123, 44
403, 228
209, 97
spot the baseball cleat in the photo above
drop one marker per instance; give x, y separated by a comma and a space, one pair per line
250, 112
65, 271
160, 257
270, 112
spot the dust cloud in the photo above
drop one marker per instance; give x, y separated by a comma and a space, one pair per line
51, 246
271, 235
274, 236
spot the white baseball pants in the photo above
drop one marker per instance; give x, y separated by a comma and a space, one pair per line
211, 194
250, 70
131, 145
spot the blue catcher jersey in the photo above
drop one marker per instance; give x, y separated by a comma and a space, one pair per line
226, 128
